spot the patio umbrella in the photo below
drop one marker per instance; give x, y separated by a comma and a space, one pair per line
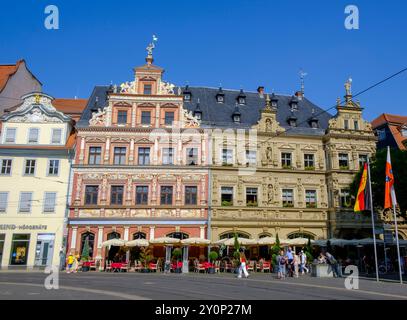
242, 241
195, 241
114, 243
165, 240
365, 241
297, 241
137, 243
334, 242
219, 242
267, 241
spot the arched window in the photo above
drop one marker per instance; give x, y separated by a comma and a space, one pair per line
113, 235
91, 238
139, 235
230, 235
264, 235
301, 235
178, 235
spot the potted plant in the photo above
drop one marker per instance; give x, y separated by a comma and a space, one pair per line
213, 256
176, 254
85, 257
275, 251
145, 258
236, 254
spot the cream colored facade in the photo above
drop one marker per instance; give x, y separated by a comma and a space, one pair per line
348, 135
34, 183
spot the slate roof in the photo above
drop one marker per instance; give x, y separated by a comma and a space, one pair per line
216, 114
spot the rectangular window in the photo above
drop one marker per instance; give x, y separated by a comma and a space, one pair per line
19, 249
25, 201
91, 195
227, 157
345, 200
251, 157
3, 201
362, 160
311, 198
33, 135
146, 117
343, 161
119, 155
50, 202
95, 155
251, 197
56, 136
169, 118
168, 156
309, 161
166, 195
288, 198
346, 124
226, 196
144, 156
148, 89
29, 167
356, 124
11, 135
192, 156
122, 117
53, 167
142, 195
6, 167
116, 195
286, 160
191, 195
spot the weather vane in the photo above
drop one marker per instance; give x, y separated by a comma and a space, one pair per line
302, 77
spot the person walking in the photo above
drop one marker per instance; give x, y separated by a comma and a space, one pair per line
281, 263
290, 262
242, 267
296, 264
334, 264
303, 262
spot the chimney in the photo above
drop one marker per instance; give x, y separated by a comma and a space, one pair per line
260, 90
299, 95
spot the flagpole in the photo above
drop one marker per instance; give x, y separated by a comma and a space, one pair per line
373, 222
398, 243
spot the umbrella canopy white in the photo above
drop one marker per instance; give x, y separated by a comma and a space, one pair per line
165, 240
114, 243
195, 241
297, 241
137, 243
266, 241
242, 241
219, 242
334, 242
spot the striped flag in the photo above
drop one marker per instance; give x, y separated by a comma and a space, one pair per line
363, 201
389, 194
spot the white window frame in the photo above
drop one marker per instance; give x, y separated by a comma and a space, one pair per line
6, 134
31, 201
1, 167
60, 138
28, 135
25, 166
6, 202
44, 203
172, 153
49, 166
251, 160
230, 156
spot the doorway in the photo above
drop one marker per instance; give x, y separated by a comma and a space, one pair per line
44, 250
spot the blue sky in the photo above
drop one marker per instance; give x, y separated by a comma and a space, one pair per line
205, 43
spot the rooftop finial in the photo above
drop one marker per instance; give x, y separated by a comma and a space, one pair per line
150, 49
302, 77
348, 87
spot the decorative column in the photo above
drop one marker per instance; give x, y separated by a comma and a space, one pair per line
100, 248
78, 189
202, 233
178, 191
107, 150
126, 234
203, 151
82, 151
73, 239
131, 156
152, 232
179, 151
134, 115
155, 152
157, 116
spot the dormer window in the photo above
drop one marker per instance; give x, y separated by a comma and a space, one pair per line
187, 94
314, 123
236, 116
241, 98
274, 101
292, 120
220, 96
294, 103
198, 111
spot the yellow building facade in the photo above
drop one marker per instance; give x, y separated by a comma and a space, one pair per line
36, 148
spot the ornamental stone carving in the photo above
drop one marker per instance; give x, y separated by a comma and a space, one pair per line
98, 118
167, 88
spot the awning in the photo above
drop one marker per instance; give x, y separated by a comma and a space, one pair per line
114, 243
296, 241
137, 243
266, 241
242, 241
165, 240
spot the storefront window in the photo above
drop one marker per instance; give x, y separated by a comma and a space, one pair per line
19, 249
91, 237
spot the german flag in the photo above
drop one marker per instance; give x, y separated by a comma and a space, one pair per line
363, 201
